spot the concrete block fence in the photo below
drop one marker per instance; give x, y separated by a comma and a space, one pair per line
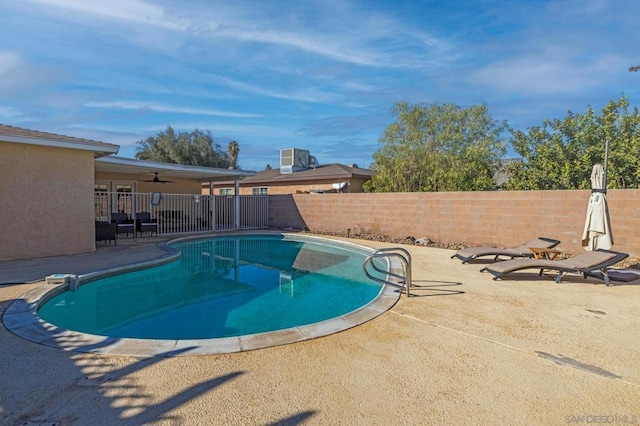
502, 218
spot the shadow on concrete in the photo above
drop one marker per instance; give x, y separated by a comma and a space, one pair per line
296, 419
434, 289
84, 388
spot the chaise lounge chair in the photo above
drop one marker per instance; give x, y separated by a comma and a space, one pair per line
586, 264
521, 251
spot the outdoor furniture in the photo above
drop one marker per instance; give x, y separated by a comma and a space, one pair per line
124, 225
545, 253
589, 263
144, 223
173, 220
521, 251
106, 232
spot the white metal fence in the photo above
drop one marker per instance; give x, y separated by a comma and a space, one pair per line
181, 213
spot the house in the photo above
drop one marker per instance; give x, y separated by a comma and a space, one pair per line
299, 172
54, 188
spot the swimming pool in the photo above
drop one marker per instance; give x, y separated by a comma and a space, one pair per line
223, 294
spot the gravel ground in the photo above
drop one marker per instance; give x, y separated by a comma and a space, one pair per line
426, 242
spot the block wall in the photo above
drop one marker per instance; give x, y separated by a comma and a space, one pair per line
502, 218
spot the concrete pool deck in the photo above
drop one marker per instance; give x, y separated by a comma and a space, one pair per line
465, 350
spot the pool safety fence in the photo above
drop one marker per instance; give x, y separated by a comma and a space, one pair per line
185, 213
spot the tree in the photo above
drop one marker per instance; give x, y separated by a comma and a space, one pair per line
194, 148
233, 150
268, 167
438, 147
560, 154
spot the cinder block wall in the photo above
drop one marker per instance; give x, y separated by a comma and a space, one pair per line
502, 218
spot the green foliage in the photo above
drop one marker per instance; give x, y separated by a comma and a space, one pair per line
194, 148
438, 147
561, 153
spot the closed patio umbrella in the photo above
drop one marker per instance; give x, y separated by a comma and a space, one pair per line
597, 229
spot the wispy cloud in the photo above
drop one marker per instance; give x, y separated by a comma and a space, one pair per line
547, 74
310, 94
17, 74
318, 74
343, 125
154, 107
132, 11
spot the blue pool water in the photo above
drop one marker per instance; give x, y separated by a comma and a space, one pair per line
221, 287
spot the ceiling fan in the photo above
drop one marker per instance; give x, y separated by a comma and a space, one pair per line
156, 179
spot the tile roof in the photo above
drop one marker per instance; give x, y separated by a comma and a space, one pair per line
20, 135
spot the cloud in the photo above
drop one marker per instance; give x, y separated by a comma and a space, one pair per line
10, 114
364, 52
9, 61
345, 125
155, 107
546, 74
369, 41
132, 11
319, 74
17, 75
308, 94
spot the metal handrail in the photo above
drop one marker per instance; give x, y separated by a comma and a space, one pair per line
405, 258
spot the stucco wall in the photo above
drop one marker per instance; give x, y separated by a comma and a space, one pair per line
503, 218
47, 201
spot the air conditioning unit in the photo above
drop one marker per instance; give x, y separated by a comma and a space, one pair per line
294, 160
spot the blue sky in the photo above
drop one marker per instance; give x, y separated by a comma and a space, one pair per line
317, 75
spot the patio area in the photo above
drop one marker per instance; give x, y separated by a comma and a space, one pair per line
465, 350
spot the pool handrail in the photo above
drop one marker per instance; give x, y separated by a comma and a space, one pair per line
404, 281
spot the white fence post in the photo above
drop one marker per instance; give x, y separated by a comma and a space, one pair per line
236, 216
187, 213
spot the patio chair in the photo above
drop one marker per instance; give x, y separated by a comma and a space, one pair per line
124, 225
472, 253
106, 232
588, 263
144, 223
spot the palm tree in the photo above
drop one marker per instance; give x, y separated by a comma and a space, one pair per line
233, 149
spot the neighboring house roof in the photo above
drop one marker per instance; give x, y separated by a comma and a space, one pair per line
34, 137
322, 172
113, 164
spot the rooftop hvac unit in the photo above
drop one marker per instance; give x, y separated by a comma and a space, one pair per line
293, 160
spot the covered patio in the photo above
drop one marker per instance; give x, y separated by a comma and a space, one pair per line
169, 199
56, 188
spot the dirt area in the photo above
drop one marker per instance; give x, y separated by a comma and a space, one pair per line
633, 263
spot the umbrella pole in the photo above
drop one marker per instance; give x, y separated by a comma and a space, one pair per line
606, 162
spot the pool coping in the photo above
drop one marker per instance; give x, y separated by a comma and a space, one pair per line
21, 317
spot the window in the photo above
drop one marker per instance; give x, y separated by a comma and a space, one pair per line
101, 202
226, 191
260, 190
124, 197
112, 197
